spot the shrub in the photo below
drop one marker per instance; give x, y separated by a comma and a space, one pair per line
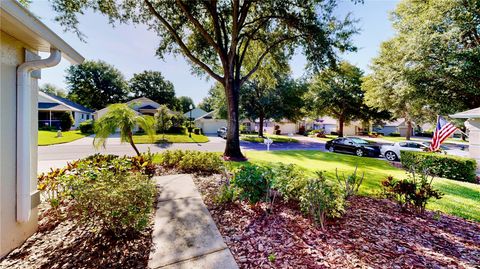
277, 130
289, 180
412, 192
118, 203
86, 127
394, 134
321, 199
177, 130
192, 161
227, 193
448, 166
350, 184
66, 121
107, 192
253, 182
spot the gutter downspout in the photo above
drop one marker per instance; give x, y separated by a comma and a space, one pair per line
24, 125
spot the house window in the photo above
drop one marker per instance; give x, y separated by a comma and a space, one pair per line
82, 116
73, 114
88, 117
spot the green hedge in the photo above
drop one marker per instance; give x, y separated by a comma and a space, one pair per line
447, 166
86, 127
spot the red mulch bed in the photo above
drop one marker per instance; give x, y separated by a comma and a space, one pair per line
373, 233
66, 244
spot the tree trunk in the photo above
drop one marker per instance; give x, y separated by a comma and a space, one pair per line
232, 147
261, 118
130, 137
409, 130
341, 122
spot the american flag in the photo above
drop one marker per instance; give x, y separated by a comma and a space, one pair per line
443, 130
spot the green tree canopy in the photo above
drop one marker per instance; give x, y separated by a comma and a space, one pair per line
432, 63
52, 89
215, 36
283, 100
153, 85
184, 103
96, 84
337, 92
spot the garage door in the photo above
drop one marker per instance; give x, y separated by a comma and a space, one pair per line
211, 126
288, 128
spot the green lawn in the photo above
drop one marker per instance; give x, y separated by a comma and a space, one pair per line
170, 138
274, 138
46, 138
460, 199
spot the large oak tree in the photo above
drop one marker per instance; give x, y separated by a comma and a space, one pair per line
216, 35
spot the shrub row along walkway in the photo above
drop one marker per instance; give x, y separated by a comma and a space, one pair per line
184, 233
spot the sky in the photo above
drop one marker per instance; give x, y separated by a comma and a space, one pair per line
131, 48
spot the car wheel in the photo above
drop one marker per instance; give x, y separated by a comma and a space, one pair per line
331, 149
391, 156
359, 152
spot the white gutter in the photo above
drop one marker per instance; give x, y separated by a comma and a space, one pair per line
24, 125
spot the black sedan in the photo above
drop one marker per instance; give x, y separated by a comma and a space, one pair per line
353, 145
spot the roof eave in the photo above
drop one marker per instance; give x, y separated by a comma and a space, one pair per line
33, 27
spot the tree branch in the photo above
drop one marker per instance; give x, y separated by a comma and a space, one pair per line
260, 59
202, 30
182, 45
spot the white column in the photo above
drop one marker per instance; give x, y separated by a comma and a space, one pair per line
473, 126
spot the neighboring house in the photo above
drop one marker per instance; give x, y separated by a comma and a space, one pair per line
285, 126
22, 36
142, 105
195, 113
209, 123
327, 124
396, 126
51, 107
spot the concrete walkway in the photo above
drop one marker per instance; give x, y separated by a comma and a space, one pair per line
185, 235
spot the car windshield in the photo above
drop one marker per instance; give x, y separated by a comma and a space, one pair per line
359, 141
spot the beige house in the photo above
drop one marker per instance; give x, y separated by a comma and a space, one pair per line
473, 126
141, 105
22, 36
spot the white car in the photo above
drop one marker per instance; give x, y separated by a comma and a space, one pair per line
392, 152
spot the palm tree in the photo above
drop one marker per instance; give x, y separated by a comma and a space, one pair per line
124, 118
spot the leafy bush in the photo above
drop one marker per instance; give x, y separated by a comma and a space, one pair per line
177, 130
448, 166
253, 182
66, 121
350, 184
321, 199
394, 134
86, 127
289, 180
107, 201
412, 192
108, 192
192, 161
226, 194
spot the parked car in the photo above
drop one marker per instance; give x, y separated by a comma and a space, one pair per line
222, 132
392, 152
353, 145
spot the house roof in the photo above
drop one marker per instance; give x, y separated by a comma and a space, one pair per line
196, 112
208, 115
142, 100
56, 100
20, 23
147, 107
469, 114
